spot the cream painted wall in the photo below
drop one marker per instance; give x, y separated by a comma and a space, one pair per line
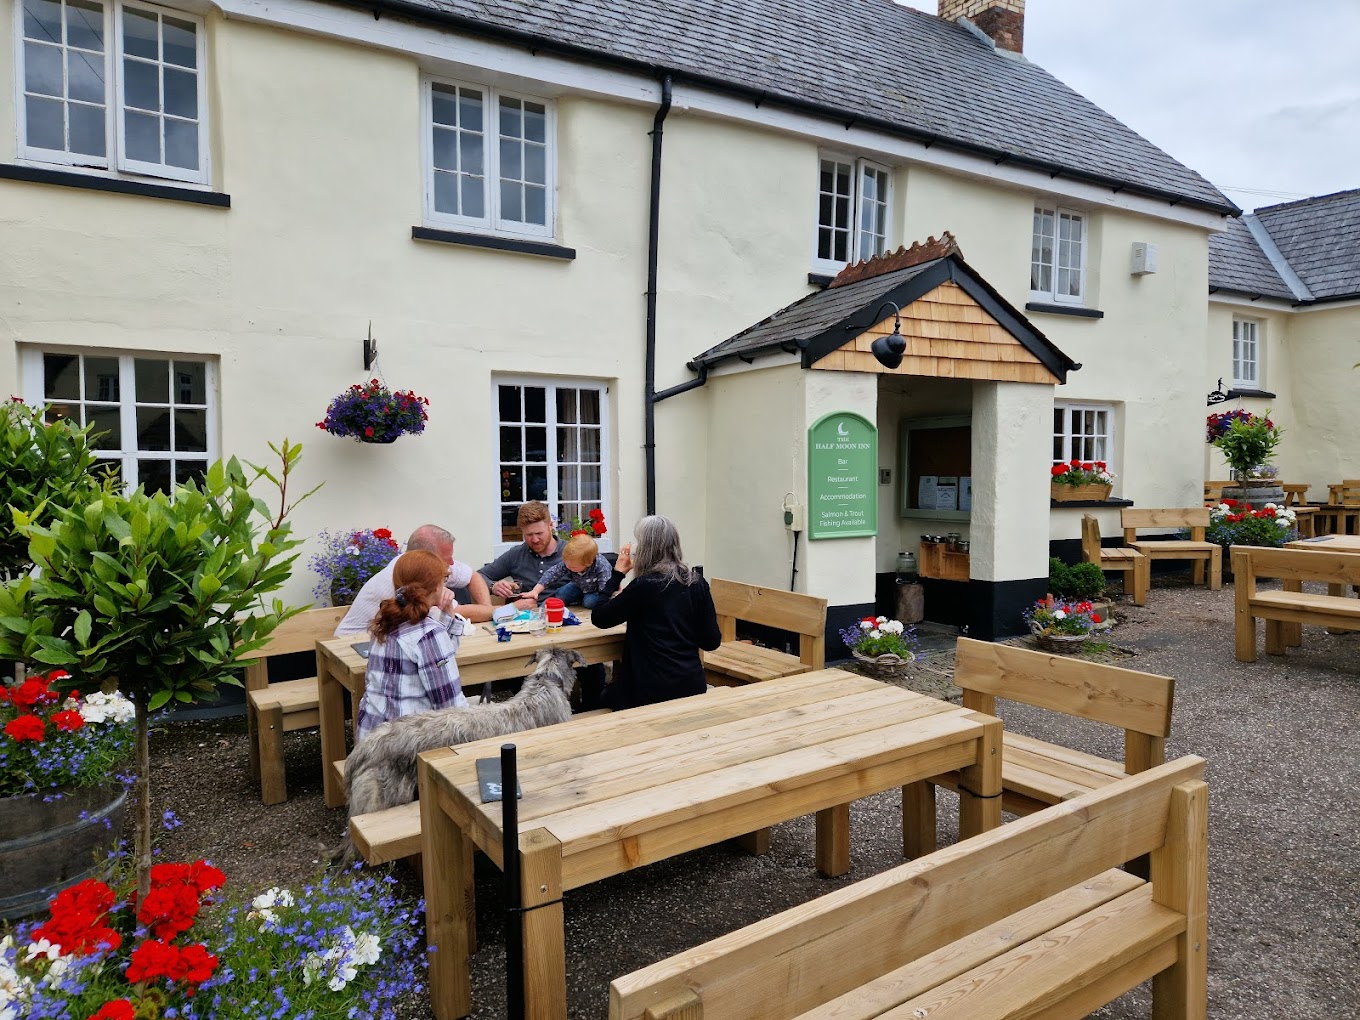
1275, 333
1011, 425
758, 454
1325, 345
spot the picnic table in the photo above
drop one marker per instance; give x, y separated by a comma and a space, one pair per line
481, 658
613, 793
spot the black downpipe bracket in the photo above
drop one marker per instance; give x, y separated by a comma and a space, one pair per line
653, 233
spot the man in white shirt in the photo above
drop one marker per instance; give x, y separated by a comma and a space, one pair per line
380, 586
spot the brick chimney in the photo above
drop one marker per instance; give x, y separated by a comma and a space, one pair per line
1002, 20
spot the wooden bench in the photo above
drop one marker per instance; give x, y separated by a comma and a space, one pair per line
1195, 549
1029, 919
1131, 563
1213, 491
1036, 773
737, 662
275, 709
1287, 610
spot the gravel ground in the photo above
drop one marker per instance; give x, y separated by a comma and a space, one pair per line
1280, 737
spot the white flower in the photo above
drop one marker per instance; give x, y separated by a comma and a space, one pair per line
100, 707
367, 948
882, 619
42, 948
275, 897
1060, 614
352, 550
865, 625
311, 967
875, 633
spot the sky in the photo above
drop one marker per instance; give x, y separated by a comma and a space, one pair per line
1262, 97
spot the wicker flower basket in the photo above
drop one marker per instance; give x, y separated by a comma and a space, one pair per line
1065, 643
884, 667
1073, 493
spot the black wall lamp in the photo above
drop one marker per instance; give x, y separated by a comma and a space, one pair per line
888, 350
370, 349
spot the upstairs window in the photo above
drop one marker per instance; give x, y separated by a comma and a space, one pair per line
491, 160
1057, 266
1246, 354
1083, 432
852, 211
114, 86
154, 414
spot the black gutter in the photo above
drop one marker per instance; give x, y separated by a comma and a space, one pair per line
534, 43
653, 234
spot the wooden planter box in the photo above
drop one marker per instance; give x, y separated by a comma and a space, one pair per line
1074, 493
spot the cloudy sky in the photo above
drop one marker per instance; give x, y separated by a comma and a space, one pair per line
1262, 97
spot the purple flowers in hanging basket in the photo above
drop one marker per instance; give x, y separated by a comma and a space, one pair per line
371, 413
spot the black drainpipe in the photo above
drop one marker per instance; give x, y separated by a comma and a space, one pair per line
653, 230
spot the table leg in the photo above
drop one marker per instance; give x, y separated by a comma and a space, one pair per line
918, 819
330, 699
447, 858
833, 841
980, 785
545, 947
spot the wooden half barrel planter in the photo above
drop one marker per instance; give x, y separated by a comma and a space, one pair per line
52, 840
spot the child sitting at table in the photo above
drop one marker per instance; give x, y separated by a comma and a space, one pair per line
580, 577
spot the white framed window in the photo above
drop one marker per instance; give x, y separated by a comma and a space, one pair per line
552, 445
1057, 265
112, 85
490, 159
157, 412
1246, 353
1083, 432
853, 199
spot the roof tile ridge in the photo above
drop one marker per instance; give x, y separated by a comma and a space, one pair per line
1277, 260
1310, 200
902, 258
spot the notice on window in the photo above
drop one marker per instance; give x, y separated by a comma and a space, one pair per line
925, 492
946, 493
966, 493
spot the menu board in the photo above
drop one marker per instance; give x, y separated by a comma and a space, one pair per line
842, 477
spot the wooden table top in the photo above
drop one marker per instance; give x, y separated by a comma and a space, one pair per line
481, 657
1328, 543
634, 787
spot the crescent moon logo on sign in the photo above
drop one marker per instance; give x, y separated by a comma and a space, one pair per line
841, 430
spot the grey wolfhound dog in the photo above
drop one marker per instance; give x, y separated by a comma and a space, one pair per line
381, 771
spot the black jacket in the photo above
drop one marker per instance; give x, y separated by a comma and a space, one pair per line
668, 622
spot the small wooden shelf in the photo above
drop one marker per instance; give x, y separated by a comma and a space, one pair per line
935, 560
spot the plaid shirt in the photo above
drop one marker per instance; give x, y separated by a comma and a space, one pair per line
412, 671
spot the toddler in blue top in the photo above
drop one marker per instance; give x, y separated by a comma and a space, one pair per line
581, 576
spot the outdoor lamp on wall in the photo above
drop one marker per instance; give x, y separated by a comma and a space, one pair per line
888, 350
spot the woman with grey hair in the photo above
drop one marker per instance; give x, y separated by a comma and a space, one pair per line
670, 617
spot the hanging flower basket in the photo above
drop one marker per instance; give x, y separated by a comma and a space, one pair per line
884, 667
372, 413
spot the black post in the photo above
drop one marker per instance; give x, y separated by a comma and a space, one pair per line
514, 914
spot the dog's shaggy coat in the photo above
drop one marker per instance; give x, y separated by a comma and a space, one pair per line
381, 771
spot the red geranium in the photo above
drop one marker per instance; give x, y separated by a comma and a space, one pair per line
68, 721
154, 959
115, 1009
78, 922
32, 691
25, 727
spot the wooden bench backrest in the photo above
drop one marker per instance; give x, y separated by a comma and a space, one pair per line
1126, 698
1213, 491
1196, 518
1349, 494
1300, 564
793, 962
298, 633
1090, 539
804, 615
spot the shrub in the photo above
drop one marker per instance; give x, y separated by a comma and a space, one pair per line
1079, 581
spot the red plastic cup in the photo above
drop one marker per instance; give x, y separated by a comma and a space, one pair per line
555, 609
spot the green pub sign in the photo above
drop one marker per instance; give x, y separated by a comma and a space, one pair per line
842, 477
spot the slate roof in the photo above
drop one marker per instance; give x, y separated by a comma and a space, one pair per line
871, 61
1320, 238
826, 320
1237, 263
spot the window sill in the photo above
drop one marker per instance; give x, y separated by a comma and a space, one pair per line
1236, 392
544, 248
1086, 504
1076, 310
171, 192
820, 279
